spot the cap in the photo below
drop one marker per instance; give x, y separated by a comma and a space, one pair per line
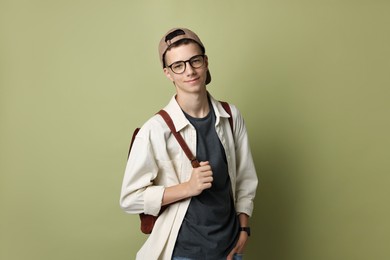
175, 35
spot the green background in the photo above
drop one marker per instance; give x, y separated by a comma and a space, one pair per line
310, 77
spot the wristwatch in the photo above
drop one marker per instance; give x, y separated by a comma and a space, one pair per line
246, 229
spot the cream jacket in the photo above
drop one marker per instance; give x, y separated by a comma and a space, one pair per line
157, 161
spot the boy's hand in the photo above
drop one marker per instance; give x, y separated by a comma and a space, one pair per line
201, 179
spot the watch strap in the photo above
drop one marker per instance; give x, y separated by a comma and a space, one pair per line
246, 229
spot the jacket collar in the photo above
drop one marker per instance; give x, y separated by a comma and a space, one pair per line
179, 119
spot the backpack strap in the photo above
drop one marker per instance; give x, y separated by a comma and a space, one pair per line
226, 106
179, 138
132, 140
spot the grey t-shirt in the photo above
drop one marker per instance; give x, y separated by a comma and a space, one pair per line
210, 226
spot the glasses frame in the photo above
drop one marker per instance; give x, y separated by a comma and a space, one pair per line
189, 62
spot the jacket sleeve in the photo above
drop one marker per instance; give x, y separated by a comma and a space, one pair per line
138, 193
246, 177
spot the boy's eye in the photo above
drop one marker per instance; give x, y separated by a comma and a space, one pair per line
178, 65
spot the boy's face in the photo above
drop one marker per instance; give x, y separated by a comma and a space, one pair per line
191, 80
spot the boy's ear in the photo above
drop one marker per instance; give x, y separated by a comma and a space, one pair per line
168, 74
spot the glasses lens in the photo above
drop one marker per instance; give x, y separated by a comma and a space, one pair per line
197, 61
178, 67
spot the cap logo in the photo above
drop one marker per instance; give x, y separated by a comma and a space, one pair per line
172, 35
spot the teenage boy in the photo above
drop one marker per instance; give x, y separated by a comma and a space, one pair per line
208, 206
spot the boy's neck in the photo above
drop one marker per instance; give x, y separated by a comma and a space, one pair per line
195, 104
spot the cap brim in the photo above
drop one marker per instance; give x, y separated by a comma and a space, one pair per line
208, 78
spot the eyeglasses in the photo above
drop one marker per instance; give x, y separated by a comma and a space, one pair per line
179, 67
